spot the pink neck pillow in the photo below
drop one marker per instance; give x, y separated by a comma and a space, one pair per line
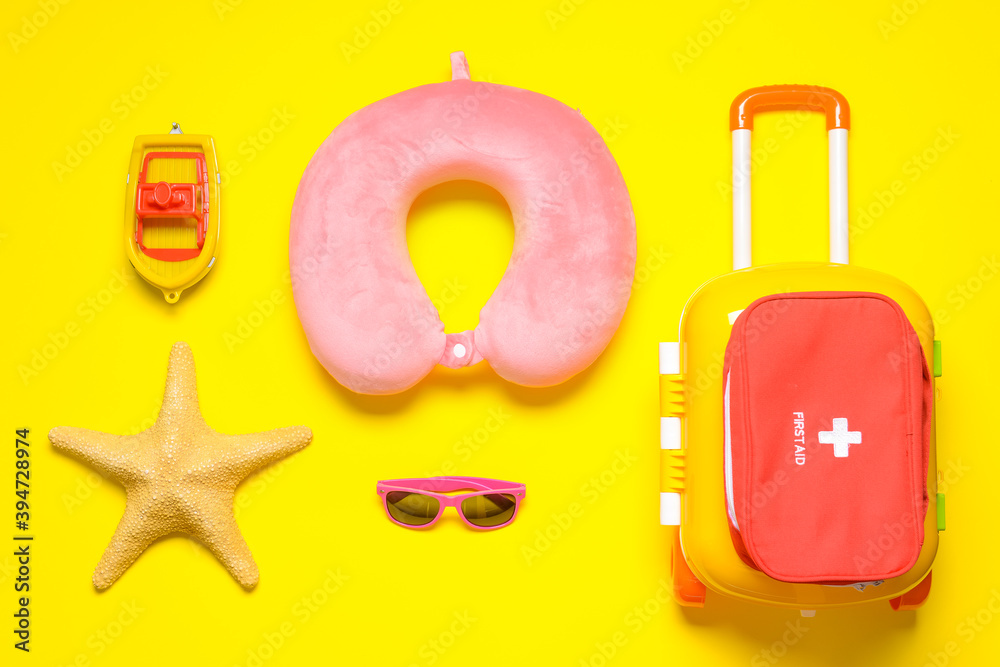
366, 315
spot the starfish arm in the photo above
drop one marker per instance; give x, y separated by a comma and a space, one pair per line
113, 455
240, 455
180, 396
132, 536
218, 531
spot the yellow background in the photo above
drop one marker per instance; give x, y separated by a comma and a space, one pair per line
913, 72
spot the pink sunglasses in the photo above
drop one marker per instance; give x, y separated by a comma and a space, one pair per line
420, 502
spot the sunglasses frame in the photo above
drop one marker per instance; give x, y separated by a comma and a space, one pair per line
437, 487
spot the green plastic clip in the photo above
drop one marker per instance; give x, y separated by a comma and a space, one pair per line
937, 358
940, 512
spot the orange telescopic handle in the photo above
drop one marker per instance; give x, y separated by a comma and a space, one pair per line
789, 98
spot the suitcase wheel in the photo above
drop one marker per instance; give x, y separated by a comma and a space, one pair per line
688, 591
915, 597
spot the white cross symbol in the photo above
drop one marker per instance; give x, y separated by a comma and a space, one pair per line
840, 438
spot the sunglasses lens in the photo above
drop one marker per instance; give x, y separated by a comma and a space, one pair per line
413, 509
491, 509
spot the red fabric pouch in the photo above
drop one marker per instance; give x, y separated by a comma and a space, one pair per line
827, 411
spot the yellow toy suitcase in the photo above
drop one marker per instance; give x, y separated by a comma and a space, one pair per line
692, 484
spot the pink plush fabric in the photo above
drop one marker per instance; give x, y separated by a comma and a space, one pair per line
369, 320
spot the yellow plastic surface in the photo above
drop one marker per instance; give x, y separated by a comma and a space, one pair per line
172, 277
704, 332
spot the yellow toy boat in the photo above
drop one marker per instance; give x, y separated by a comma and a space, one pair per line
172, 213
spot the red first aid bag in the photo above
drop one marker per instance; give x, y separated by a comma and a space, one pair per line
827, 428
